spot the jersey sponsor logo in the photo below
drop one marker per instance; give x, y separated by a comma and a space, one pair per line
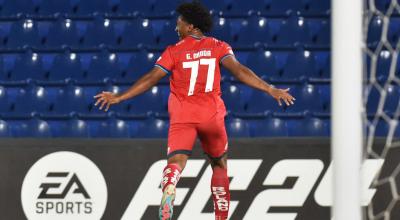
242, 173
64, 185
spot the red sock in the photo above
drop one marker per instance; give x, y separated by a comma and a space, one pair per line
171, 175
220, 193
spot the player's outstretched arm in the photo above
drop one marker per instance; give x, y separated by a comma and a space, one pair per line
106, 99
248, 77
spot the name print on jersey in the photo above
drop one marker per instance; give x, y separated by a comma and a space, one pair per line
201, 53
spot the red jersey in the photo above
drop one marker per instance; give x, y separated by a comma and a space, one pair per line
194, 67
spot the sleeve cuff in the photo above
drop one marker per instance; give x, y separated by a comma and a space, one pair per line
163, 69
225, 56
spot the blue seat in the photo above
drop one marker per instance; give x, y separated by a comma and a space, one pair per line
66, 65
103, 66
168, 35
294, 31
254, 30
31, 99
51, 7
382, 5
243, 8
316, 7
130, 37
88, 7
261, 103
5, 131
308, 127
62, 32
3, 74
393, 34
375, 28
325, 91
323, 35
165, 8
263, 63
281, 7
71, 99
323, 66
382, 128
392, 99
216, 6
231, 94
139, 64
14, 7
269, 127
24, 32
128, 7
150, 101
5, 105
236, 128
308, 98
291, 71
383, 66
373, 97
70, 128
28, 66
222, 29
100, 31
153, 128
110, 128
30, 128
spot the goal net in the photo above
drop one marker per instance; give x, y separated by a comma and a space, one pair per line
381, 104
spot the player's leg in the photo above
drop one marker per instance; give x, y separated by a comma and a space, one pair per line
181, 138
215, 144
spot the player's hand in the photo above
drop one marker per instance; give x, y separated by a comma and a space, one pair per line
282, 95
106, 99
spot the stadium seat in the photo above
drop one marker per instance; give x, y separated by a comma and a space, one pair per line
110, 128
62, 32
150, 101
381, 5
291, 71
130, 37
23, 33
153, 128
71, 99
393, 34
325, 91
14, 7
128, 7
89, 7
139, 64
323, 35
316, 7
243, 8
294, 30
263, 63
28, 66
30, 128
216, 6
165, 8
168, 35
382, 128
51, 7
3, 74
222, 29
280, 7
5, 105
383, 66
308, 98
100, 31
66, 65
236, 128
103, 66
392, 99
31, 99
373, 97
70, 128
307, 127
270, 127
5, 131
231, 94
323, 67
259, 29
375, 29
261, 103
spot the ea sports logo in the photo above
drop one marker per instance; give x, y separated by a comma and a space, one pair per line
64, 186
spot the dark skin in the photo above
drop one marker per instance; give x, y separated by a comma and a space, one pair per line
150, 79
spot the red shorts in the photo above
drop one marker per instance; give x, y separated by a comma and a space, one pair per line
212, 135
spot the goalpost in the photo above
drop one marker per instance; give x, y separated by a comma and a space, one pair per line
346, 144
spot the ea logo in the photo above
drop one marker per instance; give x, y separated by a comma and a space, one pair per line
64, 185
